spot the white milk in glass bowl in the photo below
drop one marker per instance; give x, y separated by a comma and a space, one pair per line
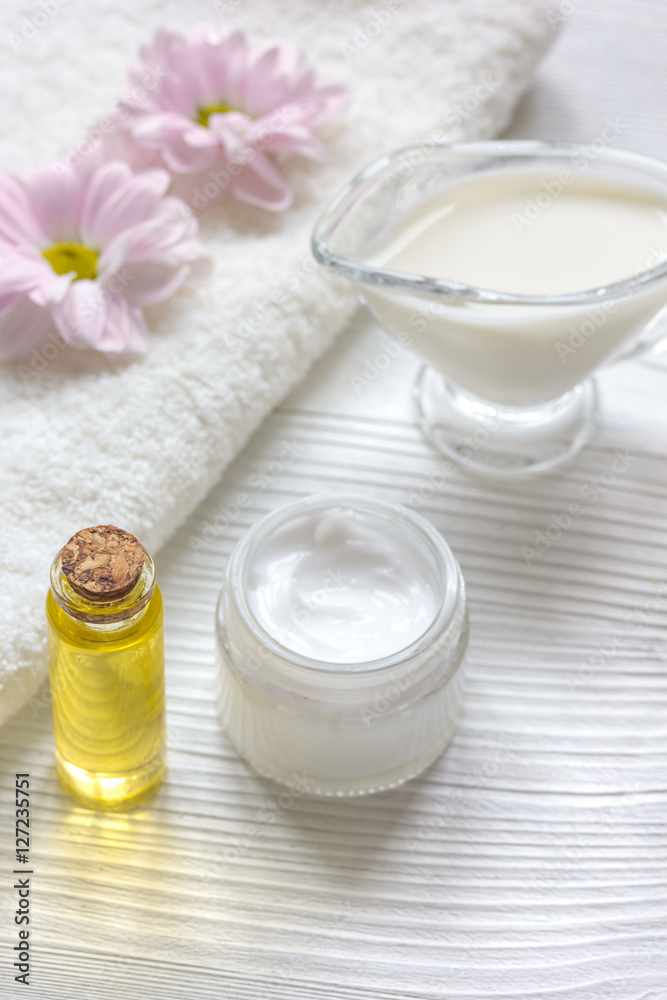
515, 270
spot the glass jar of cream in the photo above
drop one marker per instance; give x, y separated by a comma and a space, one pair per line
342, 627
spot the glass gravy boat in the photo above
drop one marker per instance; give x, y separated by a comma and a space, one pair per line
473, 400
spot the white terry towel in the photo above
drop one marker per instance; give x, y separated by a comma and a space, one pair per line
90, 440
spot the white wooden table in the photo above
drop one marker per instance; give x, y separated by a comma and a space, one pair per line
530, 860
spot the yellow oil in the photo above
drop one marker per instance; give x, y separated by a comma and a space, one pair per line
107, 691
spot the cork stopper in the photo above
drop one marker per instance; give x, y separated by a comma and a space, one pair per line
102, 563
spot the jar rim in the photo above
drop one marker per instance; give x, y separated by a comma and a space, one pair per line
310, 668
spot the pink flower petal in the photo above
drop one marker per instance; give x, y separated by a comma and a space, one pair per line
116, 252
102, 186
93, 317
159, 60
166, 39
9, 302
149, 262
120, 144
124, 328
24, 329
263, 87
229, 130
216, 55
153, 130
333, 100
17, 219
23, 269
153, 282
116, 199
52, 290
233, 52
286, 140
150, 242
172, 97
259, 183
55, 195
185, 146
80, 316
171, 226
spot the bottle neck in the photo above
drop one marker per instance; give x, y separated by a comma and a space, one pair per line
104, 615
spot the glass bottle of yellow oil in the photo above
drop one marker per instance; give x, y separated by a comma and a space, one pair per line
104, 616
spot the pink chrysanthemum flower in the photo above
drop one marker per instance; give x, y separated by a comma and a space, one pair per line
219, 104
83, 251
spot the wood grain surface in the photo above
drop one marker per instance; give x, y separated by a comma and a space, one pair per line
529, 861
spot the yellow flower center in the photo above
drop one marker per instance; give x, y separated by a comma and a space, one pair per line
67, 257
205, 112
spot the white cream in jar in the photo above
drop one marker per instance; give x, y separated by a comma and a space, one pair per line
341, 587
341, 631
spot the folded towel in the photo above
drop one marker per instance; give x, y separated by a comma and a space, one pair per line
88, 440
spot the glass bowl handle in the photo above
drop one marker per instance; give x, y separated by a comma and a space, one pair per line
653, 339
